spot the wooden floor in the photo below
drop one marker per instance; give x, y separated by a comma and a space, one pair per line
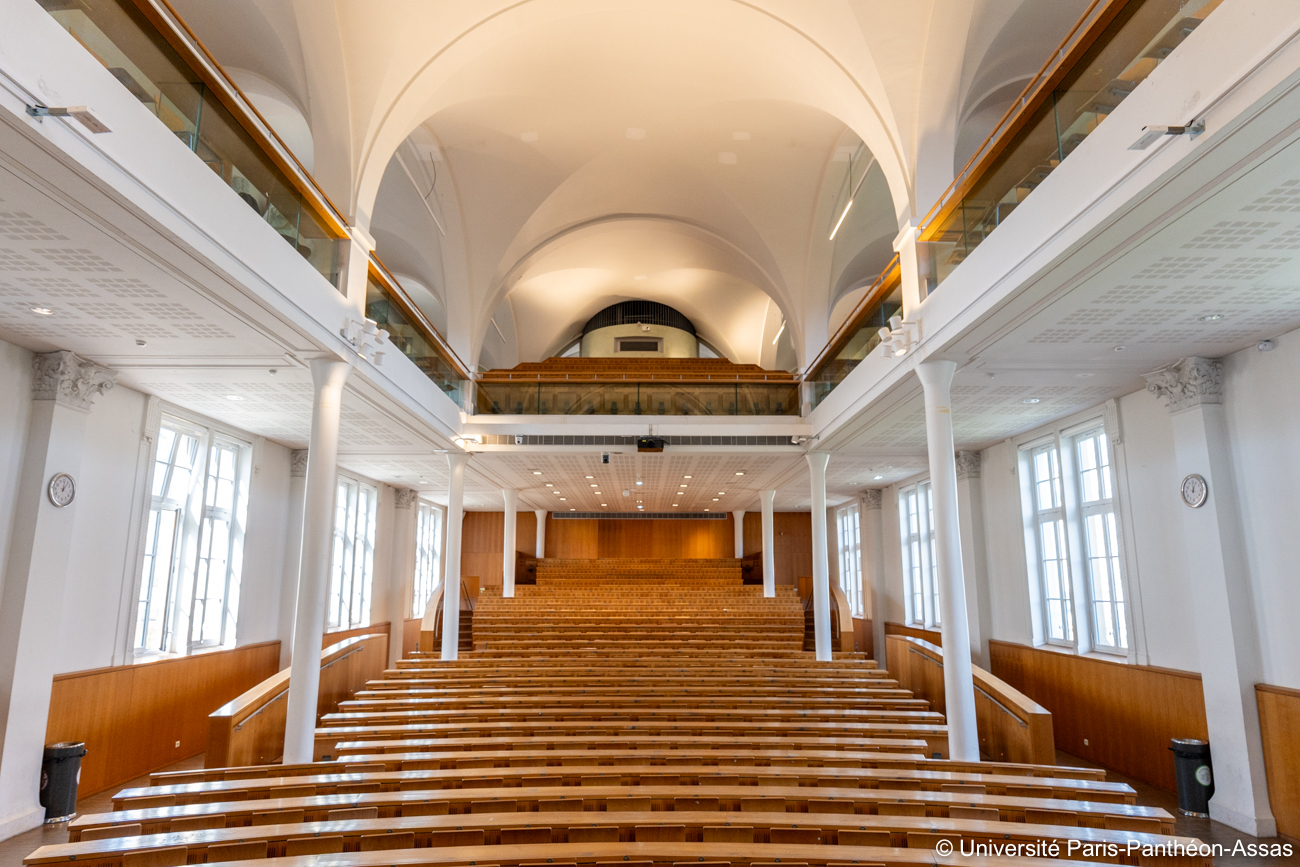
623, 722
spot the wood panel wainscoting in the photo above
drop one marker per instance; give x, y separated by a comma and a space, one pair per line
411, 635
138, 718
864, 637
249, 730
1012, 726
1127, 713
1279, 724
792, 540
933, 636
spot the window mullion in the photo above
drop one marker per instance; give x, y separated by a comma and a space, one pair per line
1076, 548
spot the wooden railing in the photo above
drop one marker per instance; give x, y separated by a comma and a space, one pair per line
1012, 726
931, 635
841, 620
138, 718
250, 729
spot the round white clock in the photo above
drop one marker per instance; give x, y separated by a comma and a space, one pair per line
1195, 491
63, 490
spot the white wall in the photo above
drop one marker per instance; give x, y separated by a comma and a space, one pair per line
93, 629
264, 548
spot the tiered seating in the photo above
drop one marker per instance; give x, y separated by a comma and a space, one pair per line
607, 718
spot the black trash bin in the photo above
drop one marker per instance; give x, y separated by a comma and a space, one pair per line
60, 773
1194, 776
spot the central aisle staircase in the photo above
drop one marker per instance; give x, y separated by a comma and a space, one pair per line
661, 713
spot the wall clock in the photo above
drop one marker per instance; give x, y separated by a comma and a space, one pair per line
1194, 490
62, 490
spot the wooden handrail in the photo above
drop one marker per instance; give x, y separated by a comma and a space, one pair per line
249, 729
1012, 726
843, 615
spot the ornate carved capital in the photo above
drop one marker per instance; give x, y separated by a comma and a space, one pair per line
1190, 382
298, 464
406, 498
872, 498
968, 465
69, 379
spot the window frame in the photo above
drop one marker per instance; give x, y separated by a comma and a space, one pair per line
848, 526
920, 572
1064, 438
179, 585
428, 555
352, 557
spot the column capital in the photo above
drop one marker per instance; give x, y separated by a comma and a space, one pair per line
1187, 383
968, 465
69, 379
872, 499
405, 498
298, 464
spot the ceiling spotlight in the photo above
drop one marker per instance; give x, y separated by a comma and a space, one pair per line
43, 311
424, 481
604, 504
591, 477
573, 510
740, 474
878, 478
537, 472
549, 485
1212, 317
234, 397
564, 499
722, 493
639, 482
685, 477
1032, 400
593, 486
640, 507
706, 510
683, 485
674, 505
715, 499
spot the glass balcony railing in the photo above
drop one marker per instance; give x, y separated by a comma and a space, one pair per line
1126, 51
637, 398
410, 335
1024, 149
132, 49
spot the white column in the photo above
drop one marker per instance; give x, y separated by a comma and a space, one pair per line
451, 575
541, 532
1219, 584
820, 562
292, 553
738, 517
508, 544
31, 602
970, 511
401, 584
873, 568
958, 684
327, 376
765, 499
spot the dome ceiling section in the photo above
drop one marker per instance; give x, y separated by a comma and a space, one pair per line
631, 66
569, 280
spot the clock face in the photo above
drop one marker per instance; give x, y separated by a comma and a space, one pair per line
1195, 491
62, 490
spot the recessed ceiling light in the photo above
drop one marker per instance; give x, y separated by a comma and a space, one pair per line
43, 311
537, 472
740, 474
715, 499
604, 504
564, 499
674, 505
234, 397
549, 485
683, 485
706, 510
640, 507
1031, 400
685, 477
1120, 348
591, 477
1212, 317
593, 486
722, 493
596, 493
878, 478
424, 481
573, 510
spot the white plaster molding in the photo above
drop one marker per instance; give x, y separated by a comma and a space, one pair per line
1187, 383
968, 465
872, 499
69, 379
404, 498
298, 464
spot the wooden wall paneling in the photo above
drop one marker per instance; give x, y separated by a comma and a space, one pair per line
1127, 713
792, 532
572, 539
1279, 725
864, 636
410, 636
132, 717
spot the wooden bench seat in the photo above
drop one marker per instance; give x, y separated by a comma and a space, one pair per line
157, 819
648, 714
633, 776
504, 827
